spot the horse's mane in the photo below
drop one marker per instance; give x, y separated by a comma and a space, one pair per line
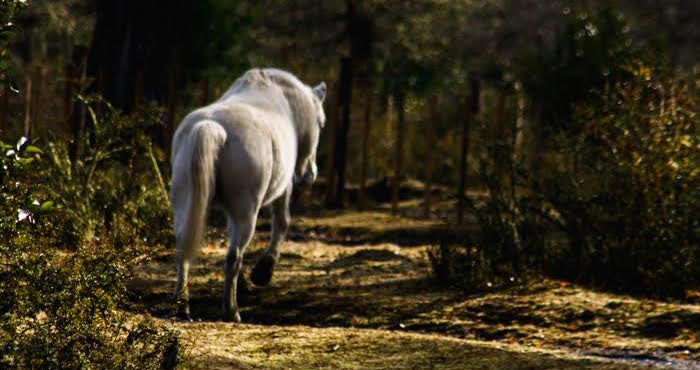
257, 78
298, 95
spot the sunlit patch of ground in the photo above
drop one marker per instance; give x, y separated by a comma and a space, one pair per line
344, 287
230, 346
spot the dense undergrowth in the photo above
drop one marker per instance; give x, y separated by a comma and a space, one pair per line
72, 231
613, 198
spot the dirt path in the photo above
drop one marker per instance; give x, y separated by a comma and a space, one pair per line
247, 346
356, 305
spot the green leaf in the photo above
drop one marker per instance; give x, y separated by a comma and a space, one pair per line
33, 149
25, 161
47, 206
93, 116
686, 141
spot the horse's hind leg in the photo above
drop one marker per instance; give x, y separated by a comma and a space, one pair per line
182, 295
262, 272
241, 231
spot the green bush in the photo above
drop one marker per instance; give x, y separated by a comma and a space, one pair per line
628, 195
61, 309
511, 238
610, 195
113, 187
9, 9
71, 234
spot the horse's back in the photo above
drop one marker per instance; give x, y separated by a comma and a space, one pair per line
257, 159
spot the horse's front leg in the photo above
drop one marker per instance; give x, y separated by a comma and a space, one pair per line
240, 233
262, 272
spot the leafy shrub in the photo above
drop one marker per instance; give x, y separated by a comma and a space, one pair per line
9, 9
610, 195
615, 204
70, 233
61, 309
510, 241
113, 188
628, 198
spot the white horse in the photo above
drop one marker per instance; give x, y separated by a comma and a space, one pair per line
240, 153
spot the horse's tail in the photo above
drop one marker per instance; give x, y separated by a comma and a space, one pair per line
194, 169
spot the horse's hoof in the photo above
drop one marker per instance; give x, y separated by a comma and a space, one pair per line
232, 317
262, 272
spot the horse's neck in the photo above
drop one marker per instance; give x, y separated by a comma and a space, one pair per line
269, 101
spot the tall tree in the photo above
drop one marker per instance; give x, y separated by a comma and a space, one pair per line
398, 157
472, 105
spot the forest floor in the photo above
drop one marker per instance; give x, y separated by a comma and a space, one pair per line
353, 290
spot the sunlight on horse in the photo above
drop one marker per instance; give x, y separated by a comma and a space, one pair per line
240, 153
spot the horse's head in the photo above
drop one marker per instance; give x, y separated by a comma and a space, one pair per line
306, 110
306, 169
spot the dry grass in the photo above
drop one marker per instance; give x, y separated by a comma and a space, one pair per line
328, 295
230, 346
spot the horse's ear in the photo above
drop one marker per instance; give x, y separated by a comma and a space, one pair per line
320, 91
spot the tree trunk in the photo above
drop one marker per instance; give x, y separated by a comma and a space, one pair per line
78, 120
205, 91
100, 87
4, 106
499, 135
389, 116
430, 122
170, 123
472, 108
38, 78
138, 89
342, 138
27, 106
365, 149
330, 174
536, 142
519, 123
68, 98
132, 37
398, 163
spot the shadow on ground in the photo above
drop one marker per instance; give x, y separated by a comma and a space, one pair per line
381, 285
